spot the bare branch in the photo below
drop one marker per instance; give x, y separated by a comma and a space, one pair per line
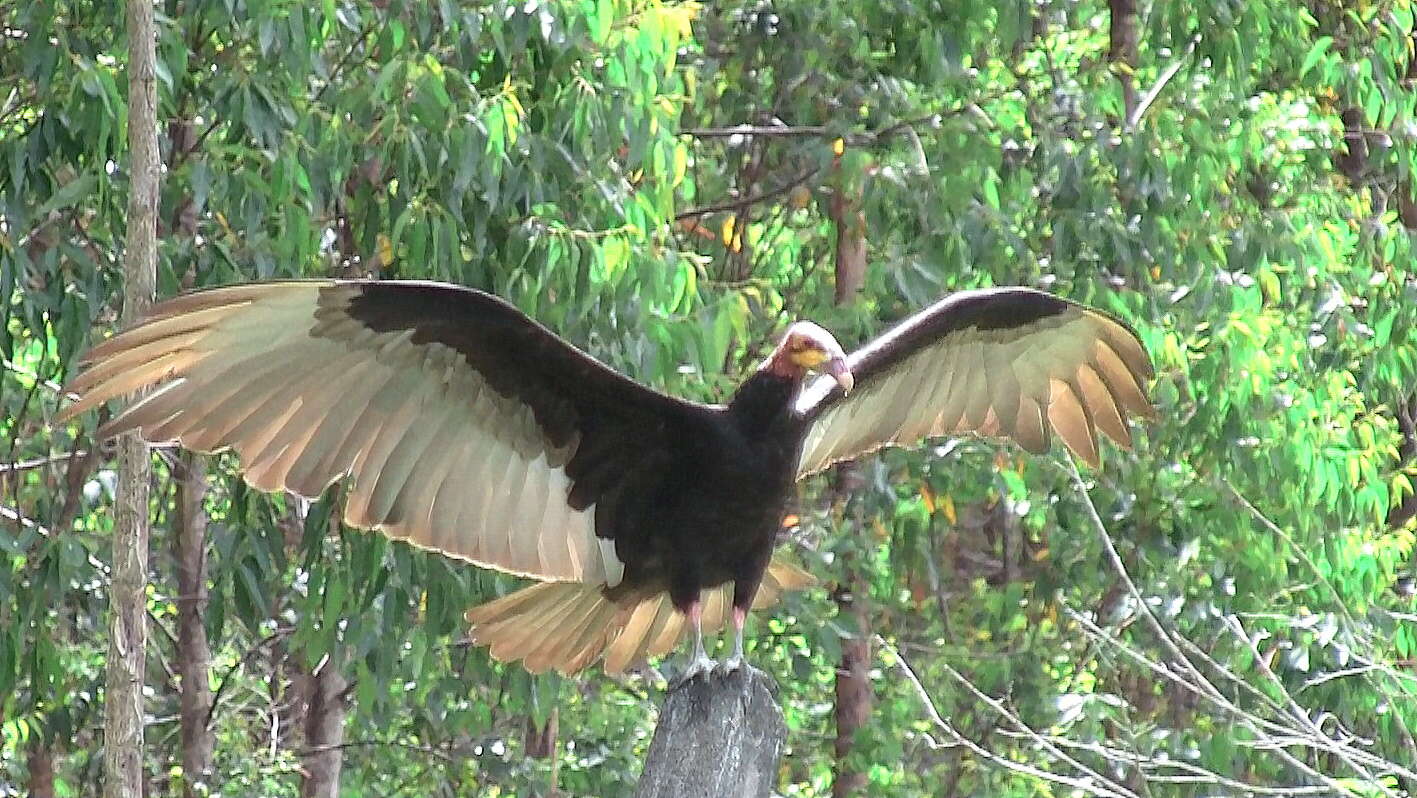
754, 199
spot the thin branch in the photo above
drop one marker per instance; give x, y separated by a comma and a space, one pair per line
343, 62
1083, 785
1165, 78
226, 678
754, 199
1212, 692
423, 749
12, 514
825, 131
1278, 531
1297, 712
40, 462
38, 380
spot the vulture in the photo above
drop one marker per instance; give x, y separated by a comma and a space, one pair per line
469, 429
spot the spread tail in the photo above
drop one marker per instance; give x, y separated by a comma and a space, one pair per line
569, 626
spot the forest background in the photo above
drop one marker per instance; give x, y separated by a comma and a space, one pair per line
1227, 609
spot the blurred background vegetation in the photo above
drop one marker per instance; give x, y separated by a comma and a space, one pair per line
1228, 609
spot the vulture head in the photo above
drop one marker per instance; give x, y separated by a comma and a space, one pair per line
809, 347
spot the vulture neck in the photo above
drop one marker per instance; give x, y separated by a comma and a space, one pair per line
765, 399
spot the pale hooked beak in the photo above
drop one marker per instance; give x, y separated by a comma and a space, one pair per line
841, 373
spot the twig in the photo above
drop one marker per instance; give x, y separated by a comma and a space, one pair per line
40, 462
744, 202
1278, 531
1298, 713
1165, 77
823, 131
343, 62
226, 678
38, 380
425, 749
12, 514
1084, 785
1212, 693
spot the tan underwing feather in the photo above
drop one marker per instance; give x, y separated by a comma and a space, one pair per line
589, 642
449, 501
396, 472
127, 345
670, 631
214, 402
416, 500
129, 382
546, 648
1104, 408
369, 466
1029, 428
320, 463
316, 398
138, 359
630, 642
1121, 381
1069, 419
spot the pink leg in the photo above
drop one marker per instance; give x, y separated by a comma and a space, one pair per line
700, 664
735, 661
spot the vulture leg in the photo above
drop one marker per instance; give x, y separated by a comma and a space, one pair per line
700, 665
735, 660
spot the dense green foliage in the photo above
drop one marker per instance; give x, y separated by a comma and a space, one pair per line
1223, 606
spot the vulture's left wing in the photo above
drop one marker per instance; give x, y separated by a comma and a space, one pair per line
1012, 362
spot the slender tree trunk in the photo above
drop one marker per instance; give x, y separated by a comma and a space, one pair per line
1123, 53
853, 685
539, 742
189, 543
39, 761
127, 631
324, 732
853, 691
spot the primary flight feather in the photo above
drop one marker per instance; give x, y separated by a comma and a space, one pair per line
469, 429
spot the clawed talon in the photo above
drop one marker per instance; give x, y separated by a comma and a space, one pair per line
699, 666
730, 665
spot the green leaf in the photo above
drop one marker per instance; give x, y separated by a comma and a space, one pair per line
1316, 52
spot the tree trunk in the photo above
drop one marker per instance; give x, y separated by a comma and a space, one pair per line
853, 690
539, 742
189, 543
39, 761
324, 732
717, 737
127, 630
1123, 51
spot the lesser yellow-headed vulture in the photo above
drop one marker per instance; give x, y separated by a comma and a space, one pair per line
471, 430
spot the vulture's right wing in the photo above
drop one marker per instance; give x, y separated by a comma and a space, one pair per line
468, 428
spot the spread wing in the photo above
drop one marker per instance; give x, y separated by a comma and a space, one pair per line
1010, 362
468, 428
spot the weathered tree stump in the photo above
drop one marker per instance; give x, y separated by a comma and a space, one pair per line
719, 737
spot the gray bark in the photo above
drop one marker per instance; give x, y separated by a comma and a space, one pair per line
324, 732
189, 544
127, 629
717, 738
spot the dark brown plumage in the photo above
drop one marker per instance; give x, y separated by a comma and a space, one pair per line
471, 430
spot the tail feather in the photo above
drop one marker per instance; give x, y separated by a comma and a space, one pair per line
569, 626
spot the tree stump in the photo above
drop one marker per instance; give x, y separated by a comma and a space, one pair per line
720, 737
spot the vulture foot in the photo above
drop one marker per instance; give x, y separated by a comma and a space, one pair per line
730, 665
699, 666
